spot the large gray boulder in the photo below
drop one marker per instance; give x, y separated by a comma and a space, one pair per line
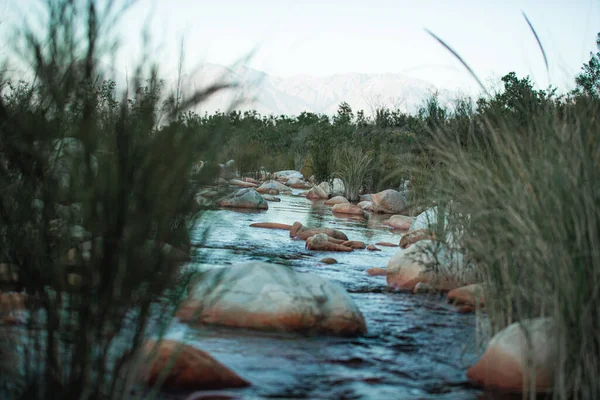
266, 296
389, 201
244, 198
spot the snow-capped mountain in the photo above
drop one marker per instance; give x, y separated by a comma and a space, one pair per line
291, 96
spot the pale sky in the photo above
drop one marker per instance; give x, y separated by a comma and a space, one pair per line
376, 36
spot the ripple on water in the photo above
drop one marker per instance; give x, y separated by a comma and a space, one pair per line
415, 348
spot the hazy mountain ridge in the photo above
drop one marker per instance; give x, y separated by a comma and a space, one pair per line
293, 95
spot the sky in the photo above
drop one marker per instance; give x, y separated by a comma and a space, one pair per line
286, 38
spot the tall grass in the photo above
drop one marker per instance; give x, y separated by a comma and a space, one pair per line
69, 142
354, 168
526, 201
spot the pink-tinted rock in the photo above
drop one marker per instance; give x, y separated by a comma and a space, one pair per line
519, 357
186, 368
252, 180
321, 242
365, 205
347, 208
411, 237
372, 247
376, 271
401, 222
269, 186
354, 244
268, 296
237, 182
317, 193
337, 200
271, 225
386, 244
301, 232
471, 295
328, 260
389, 201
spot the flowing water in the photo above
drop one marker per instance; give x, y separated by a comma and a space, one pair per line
417, 346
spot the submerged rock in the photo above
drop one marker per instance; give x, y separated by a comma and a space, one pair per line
321, 241
386, 244
328, 260
337, 200
300, 231
347, 208
521, 356
372, 247
185, 368
271, 225
271, 297
269, 197
244, 198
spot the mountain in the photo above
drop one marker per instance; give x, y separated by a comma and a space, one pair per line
291, 96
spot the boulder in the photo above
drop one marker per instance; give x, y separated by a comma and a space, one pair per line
237, 182
317, 193
297, 183
321, 242
288, 174
402, 222
301, 232
470, 295
265, 296
411, 237
389, 202
365, 205
521, 356
244, 198
183, 367
325, 186
337, 200
429, 262
347, 208
354, 244
268, 186
425, 220
372, 247
423, 287
364, 197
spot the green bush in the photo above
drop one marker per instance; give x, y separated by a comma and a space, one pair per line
68, 142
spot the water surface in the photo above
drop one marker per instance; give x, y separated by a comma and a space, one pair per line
416, 346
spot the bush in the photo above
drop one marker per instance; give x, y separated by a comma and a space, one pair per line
105, 282
526, 200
